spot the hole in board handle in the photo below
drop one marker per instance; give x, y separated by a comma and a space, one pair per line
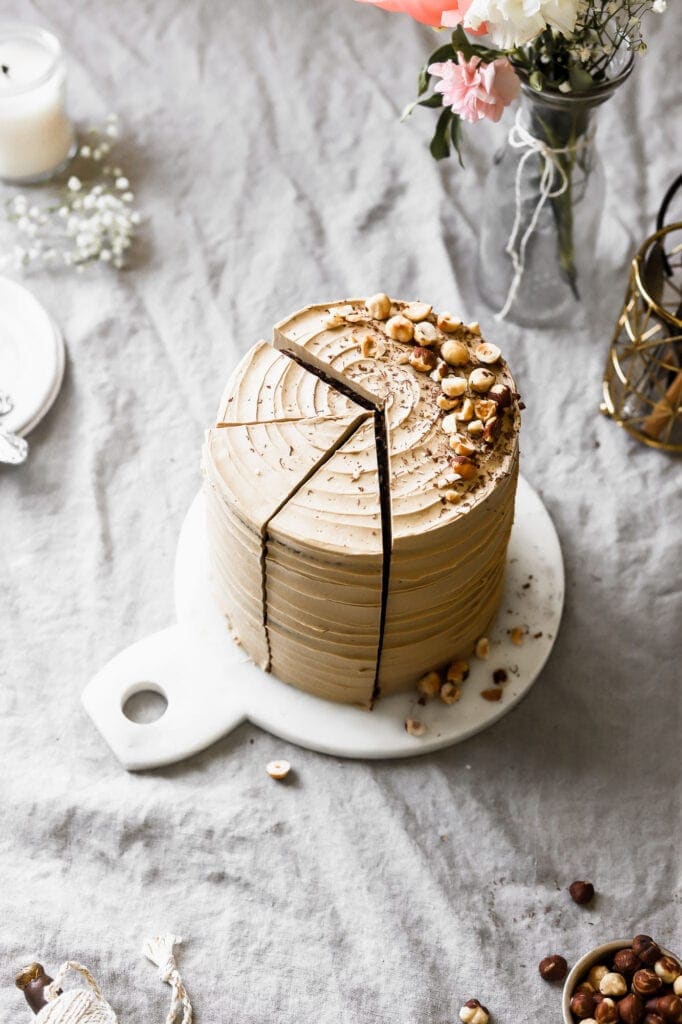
144, 703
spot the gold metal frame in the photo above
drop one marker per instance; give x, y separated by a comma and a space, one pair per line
642, 388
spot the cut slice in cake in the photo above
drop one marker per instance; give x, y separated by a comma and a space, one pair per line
251, 471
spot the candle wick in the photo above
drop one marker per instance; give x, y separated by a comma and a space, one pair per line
5, 69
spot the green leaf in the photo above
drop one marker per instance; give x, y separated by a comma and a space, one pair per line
433, 102
536, 80
441, 54
456, 136
440, 146
580, 79
462, 44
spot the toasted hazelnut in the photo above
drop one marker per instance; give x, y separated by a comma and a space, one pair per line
481, 380
366, 341
667, 969
447, 404
453, 387
487, 353
493, 694
455, 353
553, 968
669, 1007
378, 306
440, 371
482, 649
450, 693
613, 984
473, 1013
462, 446
645, 982
278, 769
517, 635
449, 423
581, 892
400, 329
429, 684
646, 949
492, 429
333, 320
457, 672
425, 333
582, 1004
631, 1009
595, 975
463, 465
466, 413
416, 311
476, 428
474, 328
606, 1012
677, 986
484, 408
501, 394
422, 359
626, 962
452, 496
414, 727
448, 323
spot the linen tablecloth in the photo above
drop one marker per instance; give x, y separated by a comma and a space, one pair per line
263, 143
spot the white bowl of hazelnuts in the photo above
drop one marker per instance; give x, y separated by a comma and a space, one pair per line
627, 981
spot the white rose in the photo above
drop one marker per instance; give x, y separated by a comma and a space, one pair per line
516, 22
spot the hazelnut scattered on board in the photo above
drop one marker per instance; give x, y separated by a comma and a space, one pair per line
414, 727
581, 892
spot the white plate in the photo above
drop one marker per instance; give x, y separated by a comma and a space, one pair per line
31, 357
211, 686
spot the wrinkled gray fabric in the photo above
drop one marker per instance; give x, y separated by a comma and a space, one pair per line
263, 142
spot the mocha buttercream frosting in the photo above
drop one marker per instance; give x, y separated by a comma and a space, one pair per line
347, 571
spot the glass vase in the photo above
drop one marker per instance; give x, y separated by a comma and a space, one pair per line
543, 200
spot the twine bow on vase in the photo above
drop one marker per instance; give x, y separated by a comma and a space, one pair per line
552, 167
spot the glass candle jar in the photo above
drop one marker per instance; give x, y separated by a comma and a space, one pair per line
37, 138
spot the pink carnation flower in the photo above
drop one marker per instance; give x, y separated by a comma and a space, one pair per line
437, 13
475, 90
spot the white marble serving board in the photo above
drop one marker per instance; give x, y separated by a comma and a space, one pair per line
211, 686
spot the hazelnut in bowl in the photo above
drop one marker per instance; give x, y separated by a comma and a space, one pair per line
627, 981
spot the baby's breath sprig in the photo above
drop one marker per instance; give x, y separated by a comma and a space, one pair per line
92, 219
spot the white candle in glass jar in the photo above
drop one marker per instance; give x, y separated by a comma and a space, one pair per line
37, 138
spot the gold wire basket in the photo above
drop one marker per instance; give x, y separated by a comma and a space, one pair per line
643, 376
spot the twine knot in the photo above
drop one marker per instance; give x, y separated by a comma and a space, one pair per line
521, 138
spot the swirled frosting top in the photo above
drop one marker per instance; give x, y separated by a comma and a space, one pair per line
449, 398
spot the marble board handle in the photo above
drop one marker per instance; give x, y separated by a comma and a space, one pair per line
200, 709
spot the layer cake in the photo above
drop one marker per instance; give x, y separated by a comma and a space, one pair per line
360, 484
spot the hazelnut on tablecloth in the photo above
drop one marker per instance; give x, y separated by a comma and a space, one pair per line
553, 968
581, 892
